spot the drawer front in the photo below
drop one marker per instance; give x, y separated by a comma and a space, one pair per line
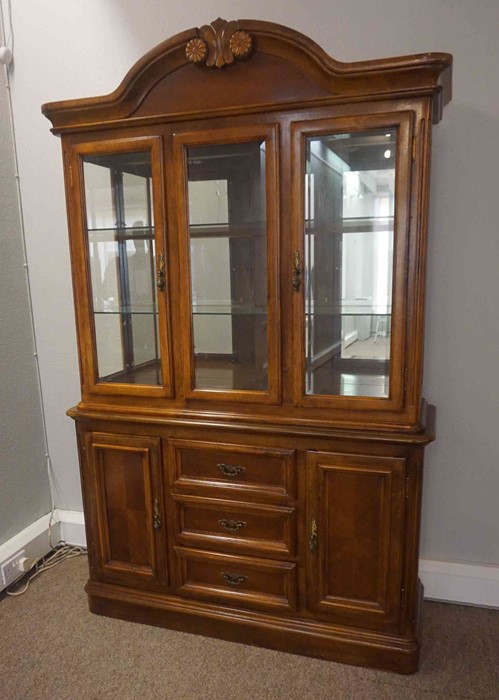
240, 468
232, 526
239, 581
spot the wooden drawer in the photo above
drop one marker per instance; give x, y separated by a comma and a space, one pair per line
248, 470
239, 581
233, 526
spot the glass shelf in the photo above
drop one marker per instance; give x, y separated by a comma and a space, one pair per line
350, 225
146, 310
348, 310
228, 310
122, 232
245, 230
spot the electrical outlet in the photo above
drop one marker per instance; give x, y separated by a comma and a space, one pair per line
12, 568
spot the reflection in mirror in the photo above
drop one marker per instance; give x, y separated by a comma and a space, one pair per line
349, 224
227, 231
120, 225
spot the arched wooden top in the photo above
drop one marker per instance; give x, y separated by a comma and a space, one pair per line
249, 65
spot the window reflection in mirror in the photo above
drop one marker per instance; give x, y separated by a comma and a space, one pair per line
349, 225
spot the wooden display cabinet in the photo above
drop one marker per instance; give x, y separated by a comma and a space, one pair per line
247, 221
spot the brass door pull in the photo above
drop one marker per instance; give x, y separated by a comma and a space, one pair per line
232, 525
234, 579
160, 279
297, 272
231, 469
314, 537
156, 520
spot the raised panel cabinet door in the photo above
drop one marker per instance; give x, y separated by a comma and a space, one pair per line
127, 528
355, 545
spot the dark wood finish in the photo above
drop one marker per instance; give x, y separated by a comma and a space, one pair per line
357, 502
242, 471
266, 516
233, 526
285, 68
242, 582
127, 515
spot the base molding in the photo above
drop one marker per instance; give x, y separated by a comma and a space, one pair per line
458, 582
292, 635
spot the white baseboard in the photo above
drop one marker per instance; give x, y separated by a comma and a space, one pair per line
454, 582
457, 582
72, 527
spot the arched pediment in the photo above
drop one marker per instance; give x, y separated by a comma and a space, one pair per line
247, 65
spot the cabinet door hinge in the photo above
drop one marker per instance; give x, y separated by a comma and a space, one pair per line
71, 176
414, 149
406, 378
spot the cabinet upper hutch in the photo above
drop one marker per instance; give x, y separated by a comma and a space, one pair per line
247, 222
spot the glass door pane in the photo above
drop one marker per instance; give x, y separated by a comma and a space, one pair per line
121, 251
348, 262
227, 226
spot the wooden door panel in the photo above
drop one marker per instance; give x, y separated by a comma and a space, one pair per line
358, 505
127, 531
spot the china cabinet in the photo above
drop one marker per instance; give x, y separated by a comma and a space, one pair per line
247, 223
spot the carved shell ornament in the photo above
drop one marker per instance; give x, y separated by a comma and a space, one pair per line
218, 44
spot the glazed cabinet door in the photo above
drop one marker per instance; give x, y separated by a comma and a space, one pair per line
120, 266
351, 194
227, 195
126, 528
355, 545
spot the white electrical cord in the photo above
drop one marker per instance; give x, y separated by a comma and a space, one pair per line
26, 269
61, 552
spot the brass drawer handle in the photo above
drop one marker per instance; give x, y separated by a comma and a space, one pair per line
160, 278
232, 525
231, 469
234, 579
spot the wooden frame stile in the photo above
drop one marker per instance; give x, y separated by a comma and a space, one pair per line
231, 135
83, 288
403, 122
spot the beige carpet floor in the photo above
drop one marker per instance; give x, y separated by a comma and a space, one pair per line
52, 648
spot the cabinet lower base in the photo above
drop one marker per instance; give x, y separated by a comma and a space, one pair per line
295, 636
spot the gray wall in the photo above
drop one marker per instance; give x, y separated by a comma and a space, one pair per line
73, 48
24, 486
